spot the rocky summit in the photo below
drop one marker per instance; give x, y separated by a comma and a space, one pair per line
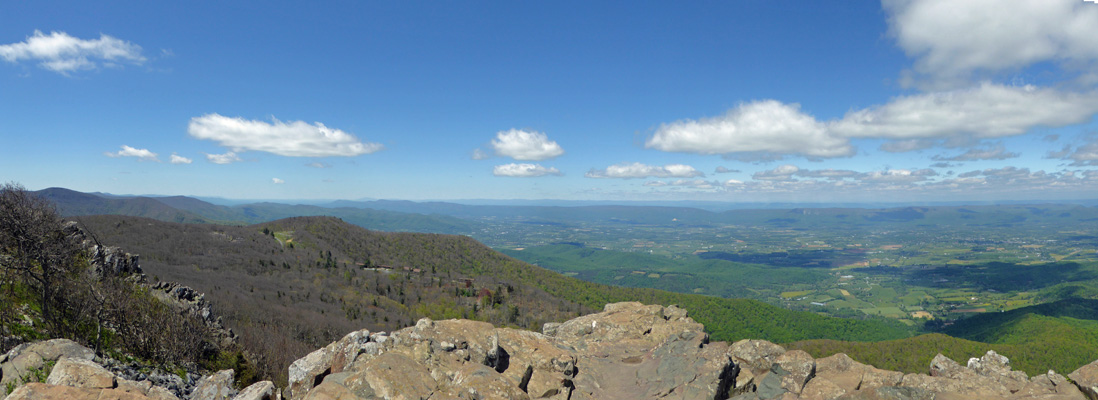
628, 351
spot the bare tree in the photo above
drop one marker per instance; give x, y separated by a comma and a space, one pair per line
37, 251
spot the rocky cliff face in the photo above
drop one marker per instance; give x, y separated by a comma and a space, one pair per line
628, 351
113, 261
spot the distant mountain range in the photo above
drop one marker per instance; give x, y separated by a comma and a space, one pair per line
466, 219
191, 210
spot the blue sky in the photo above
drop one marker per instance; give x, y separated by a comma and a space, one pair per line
727, 101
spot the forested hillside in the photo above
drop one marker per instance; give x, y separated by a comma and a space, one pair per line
70, 203
55, 282
1061, 335
291, 285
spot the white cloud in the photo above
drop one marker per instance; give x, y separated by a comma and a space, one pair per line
997, 152
318, 165
226, 158
127, 151
62, 53
699, 184
987, 111
479, 154
897, 175
1085, 155
694, 183
277, 181
723, 170
781, 173
524, 145
638, 170
903, 146
292, 139
178, 159
833, 174
952, 41
768, 130
523, 170
787, 174
766, 126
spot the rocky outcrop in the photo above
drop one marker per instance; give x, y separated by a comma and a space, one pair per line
27, 360
1087, 379
193, 303
104, 260
630, 351
67, 370
113, 261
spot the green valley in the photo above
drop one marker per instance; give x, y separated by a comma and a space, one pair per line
890, 287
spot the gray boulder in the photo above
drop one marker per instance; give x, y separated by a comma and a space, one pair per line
81, 373
1086, 378
27, 358
264, 390
217, 386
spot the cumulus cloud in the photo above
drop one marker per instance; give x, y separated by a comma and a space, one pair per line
277, 181
1060, 154
1085, 155
943, 165
788, 174
226, 158
61, 53
694, 183
925, 184
997, 152
898, 175
127, 151
769, 130
523, 170
903, 146
766, 126
638, 170
178, 159
987, 111
723, 170
524, 146
292, 139
953, 41
699, 184
833, 174
1015, 178
479, 154
781, 173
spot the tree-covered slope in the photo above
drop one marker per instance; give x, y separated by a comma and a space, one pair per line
309, 267
1026, 323
1062, 336
726, 319
72, 203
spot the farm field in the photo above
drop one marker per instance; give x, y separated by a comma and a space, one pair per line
926, 270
